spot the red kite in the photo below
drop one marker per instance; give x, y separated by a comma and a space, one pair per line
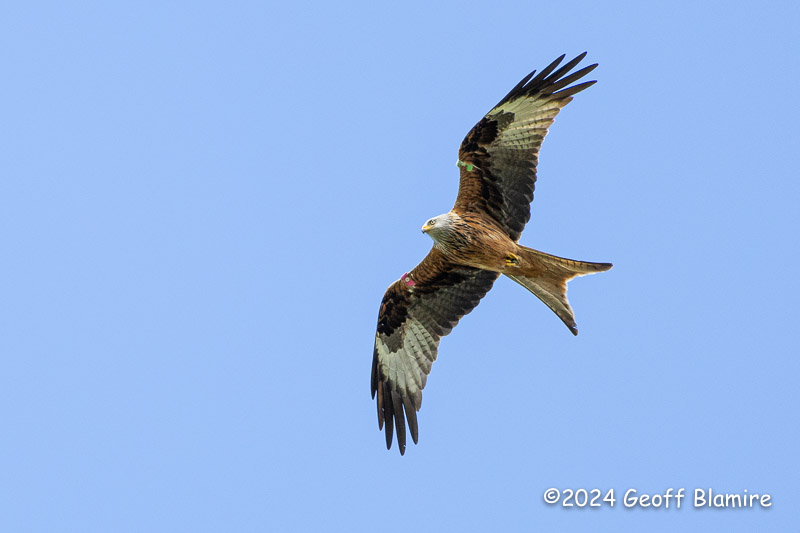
474, 243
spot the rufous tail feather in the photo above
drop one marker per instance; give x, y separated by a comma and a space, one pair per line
546, 276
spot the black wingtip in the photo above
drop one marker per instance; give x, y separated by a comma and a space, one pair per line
411, 417
388, 432
399, 421
572, 326
548, 69
575, 89
385, 402
553, 80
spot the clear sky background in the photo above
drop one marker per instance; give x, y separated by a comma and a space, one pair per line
202, 204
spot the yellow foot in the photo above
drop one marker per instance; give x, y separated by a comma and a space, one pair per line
512, 260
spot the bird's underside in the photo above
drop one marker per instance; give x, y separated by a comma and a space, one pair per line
474, 243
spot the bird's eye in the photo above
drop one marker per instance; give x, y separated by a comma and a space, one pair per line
432, 222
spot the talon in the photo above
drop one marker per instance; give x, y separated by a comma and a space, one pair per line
512, 260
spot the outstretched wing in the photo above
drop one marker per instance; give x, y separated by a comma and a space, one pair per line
416, 312
498, 156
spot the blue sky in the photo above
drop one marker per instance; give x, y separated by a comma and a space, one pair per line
202, 204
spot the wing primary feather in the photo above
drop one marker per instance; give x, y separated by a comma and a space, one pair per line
569, 79
379, 403
373, 382
547, 70
575, 89
387, 414
399, 421
518, 86
566, 68
411, 417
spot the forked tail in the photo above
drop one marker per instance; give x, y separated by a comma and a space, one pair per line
546, 276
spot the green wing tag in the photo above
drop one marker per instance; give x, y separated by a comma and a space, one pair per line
468, 166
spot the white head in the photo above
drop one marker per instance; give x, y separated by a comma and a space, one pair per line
437, 227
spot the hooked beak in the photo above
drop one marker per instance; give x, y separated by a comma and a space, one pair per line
425, 228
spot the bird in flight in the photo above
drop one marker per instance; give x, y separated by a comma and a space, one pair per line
473, 244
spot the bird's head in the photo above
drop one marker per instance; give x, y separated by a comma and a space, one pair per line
437, 226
